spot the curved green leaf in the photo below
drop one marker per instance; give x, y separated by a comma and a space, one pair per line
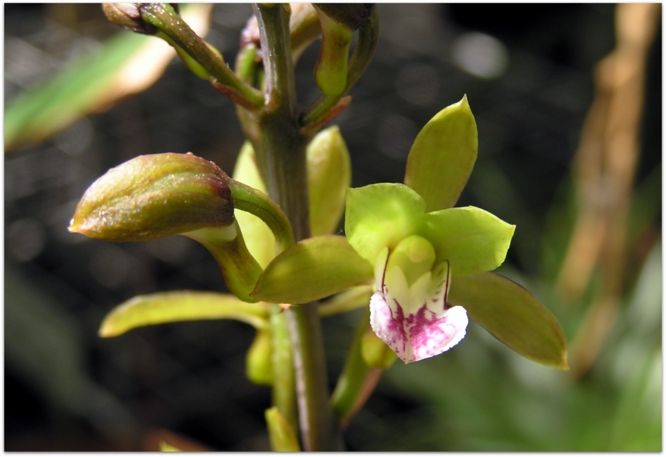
162, 308
381, 215
471, 239
312, 269
442, 156
513, 316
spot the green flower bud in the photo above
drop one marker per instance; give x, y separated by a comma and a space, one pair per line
154, 196
258, 363
351, 15
376, 354
331, 69
329, 177
128, 16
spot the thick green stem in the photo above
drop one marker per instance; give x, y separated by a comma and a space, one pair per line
280, 149
357, 380
284, 385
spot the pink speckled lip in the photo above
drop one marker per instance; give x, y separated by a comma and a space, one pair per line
429, 331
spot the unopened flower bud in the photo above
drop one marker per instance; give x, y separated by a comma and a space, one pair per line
128, 16
154, 196
329, 178
351, 15
331, 69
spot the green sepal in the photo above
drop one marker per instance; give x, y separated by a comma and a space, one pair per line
311, 270
258, 364
442, 156
329, 177
513, 316
471, 239
381, 215
166, 307
241, 271
281, 434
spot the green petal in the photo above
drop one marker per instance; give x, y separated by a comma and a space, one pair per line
312, 269
471, 239
381, 215
162, 308
442, 156
513, 316
329, 177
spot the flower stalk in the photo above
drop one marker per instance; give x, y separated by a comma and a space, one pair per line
166, 20
281, 152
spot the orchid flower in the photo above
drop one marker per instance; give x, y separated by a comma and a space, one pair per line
428, 262
416, 253
416, 256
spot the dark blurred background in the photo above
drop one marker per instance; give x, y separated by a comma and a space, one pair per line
528, 72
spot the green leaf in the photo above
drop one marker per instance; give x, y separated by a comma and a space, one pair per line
513, 316
281, 434
381, 215
162, 308
442, 156
312, 269
471, 239
329, 177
